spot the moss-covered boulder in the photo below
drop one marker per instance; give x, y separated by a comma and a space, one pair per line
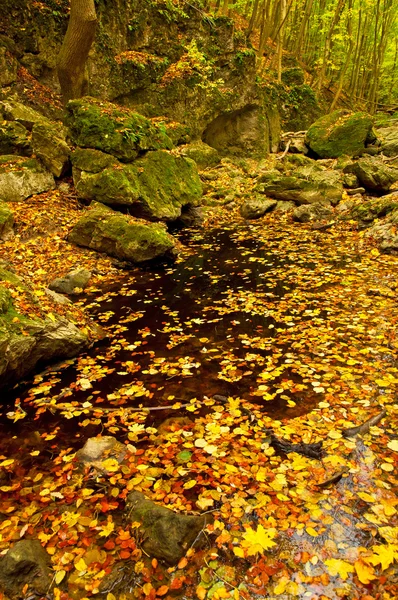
13, 110
48, 142
25, 341
204, 155
388, 137
340, 133
373, 174
166, 534
14, 139
6, 221
8, 66
368, 211
113, 129
155, 186
256, 207
21, 178
122, 236
313, 212
308, 185
385, 232
25, 567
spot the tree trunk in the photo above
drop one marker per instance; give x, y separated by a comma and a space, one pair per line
71, 65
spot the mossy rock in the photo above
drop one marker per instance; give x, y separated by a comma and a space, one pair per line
20, 178
340, 133
155, 186
374, 209
6, 221
49, 145
115, 130
14, 139
373, 174
204, 155
91, 161
122, 236
293, 76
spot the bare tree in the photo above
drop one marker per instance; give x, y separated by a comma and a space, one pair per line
71, 64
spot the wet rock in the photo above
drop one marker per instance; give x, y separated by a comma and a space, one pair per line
374, 175
59, 298
313, 212
256, 207
25, 564
21, 178
204, 155
155, 186
167, 535
350, 181
96, 451
122, 236
48, 142
25, 341
14, 139
340, 133
115, 130
192, 216
72, 283
356, 191
6, 222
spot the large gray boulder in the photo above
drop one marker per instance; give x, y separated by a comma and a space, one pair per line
373, 174
388, 137
21, 178
308, 185
313, 212
340, 133
385, 232
122, 236
25, 564
25, 341
166, 535
156, 186
48, 143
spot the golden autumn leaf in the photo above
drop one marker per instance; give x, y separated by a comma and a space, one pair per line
364, 571
384, 555
258, 541
336, 566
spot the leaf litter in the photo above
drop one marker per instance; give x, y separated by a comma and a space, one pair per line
261, 332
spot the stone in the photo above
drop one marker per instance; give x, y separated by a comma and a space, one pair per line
388, 137
25, 564
313, 212
48, 143
385, 232
115, 130
22, 114
204, 155
350, 181
340, 133
58, 298
308, 185
122, 236
284, 206
26, 341
6, 222
96, 451
90, 160
14, 139
8, 67
191, 216
293, 76
368, 211
256, 207
166, 535
155, 186
21, 178
73, 283
374, 175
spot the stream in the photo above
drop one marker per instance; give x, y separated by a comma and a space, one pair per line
288, 321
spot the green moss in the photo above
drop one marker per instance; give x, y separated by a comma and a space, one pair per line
339, 133
373, 209
293, 76
92, 161
113, 185
114, 130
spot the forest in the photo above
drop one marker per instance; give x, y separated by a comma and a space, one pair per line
198, 300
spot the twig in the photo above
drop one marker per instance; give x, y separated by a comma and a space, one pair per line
285, 151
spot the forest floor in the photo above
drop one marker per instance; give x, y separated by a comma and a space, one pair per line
262, 331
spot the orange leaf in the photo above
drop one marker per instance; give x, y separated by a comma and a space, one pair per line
162, 591
183, 563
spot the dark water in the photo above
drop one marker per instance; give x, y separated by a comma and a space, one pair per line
170, 339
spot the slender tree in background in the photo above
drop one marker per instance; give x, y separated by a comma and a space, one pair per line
71, 64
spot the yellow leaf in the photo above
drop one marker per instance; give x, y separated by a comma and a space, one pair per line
393, 445
189, 484
334, 435
80, 565
260, 540
365, 572
110, 464
365, 496
239, 552
312, 531
59, 576
110, 596
107, 529
336, 566
384, 555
